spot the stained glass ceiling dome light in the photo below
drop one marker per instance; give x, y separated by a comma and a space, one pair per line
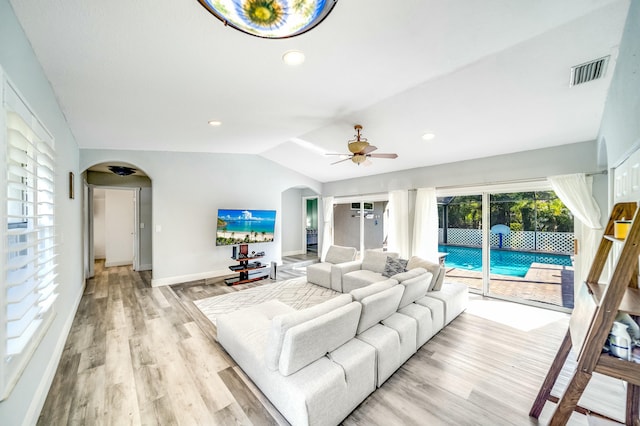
270, 18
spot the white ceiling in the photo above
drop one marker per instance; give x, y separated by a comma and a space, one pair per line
487, 77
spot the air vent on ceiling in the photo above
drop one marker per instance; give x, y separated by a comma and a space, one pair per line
588, 71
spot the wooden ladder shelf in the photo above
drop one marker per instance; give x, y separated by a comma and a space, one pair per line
595, 310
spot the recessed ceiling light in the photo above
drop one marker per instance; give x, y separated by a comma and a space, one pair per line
293, 57
428, 136
215, 123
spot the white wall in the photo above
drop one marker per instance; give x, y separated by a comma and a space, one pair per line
22, 67
99, 213
188, 189
292, 224
620, 127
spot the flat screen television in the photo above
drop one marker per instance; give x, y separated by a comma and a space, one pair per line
245, 226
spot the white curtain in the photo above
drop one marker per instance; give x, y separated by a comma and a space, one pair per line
398, 239
327, 228
425, 225
575, 192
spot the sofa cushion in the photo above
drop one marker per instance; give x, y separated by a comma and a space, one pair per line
280, 324
422, 316
454, 297
394, 266
435, 268
411, 273
436, 306
379, 306
339, 254
313, 339
375, 261
362, 292
407, 330
360, 278
245, 331
386, 341
415, 288
358, 361
319, 274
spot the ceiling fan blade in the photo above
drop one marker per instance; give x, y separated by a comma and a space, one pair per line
367, 163
333, 153
368, 149
383, 155
340, 161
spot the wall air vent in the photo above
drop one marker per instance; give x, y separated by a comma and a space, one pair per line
588, 71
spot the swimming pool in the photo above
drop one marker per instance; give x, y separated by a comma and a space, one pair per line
503, 262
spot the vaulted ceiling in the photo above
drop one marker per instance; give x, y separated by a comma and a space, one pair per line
486, 77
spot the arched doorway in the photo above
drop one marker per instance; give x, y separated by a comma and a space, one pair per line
117, 216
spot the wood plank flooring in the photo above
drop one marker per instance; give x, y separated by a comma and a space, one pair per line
138, 355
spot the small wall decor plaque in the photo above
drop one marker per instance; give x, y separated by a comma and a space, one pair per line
72, 194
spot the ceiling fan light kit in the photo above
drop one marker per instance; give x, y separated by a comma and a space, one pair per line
359, 158
270, 18
361, 150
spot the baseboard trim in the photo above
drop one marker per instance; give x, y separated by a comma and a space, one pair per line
147, 267
118, 263
178, 279
293, 253
41, 393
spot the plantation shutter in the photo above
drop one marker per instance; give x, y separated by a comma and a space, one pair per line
29, 266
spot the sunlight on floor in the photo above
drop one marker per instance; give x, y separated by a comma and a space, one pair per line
521, 317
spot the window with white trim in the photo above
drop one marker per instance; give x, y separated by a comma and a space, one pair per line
28, 247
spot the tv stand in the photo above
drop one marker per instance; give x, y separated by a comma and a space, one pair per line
248, 269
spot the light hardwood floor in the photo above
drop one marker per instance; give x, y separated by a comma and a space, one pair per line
141, 355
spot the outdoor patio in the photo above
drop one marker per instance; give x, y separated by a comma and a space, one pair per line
552, 284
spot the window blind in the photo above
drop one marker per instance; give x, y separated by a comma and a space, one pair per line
29, 266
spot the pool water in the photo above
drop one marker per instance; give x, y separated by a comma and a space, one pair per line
503, 262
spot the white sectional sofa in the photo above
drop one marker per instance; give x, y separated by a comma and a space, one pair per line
318, 364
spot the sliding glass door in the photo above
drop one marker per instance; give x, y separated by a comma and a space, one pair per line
511, 245
531, 243
461, 239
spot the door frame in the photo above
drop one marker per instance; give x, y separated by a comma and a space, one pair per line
89, 237
379, 197
304, 221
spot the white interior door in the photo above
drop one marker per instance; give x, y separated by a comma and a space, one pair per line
119, 221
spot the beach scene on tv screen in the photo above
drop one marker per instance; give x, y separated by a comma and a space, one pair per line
245, 226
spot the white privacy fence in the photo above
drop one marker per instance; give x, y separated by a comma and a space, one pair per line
553, 242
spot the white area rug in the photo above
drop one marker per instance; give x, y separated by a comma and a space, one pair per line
297, 293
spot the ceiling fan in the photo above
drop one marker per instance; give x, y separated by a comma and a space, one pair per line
361, 150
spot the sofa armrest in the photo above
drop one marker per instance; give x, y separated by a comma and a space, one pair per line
339, 269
